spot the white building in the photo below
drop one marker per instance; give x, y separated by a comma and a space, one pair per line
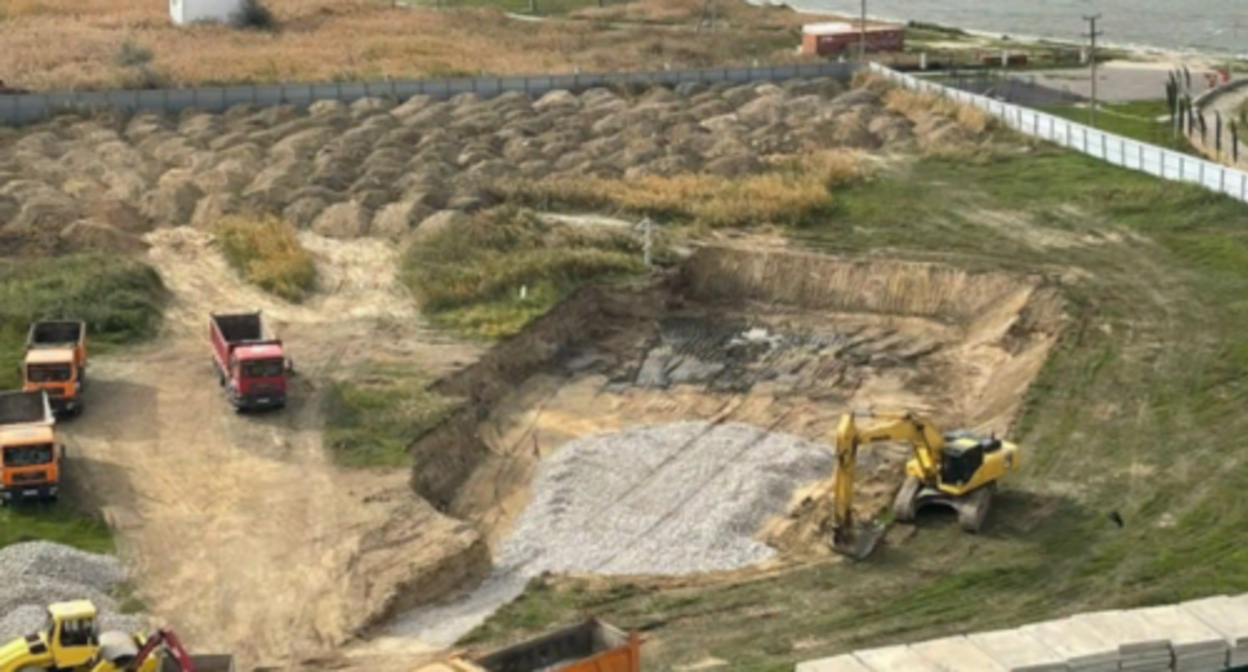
189, 11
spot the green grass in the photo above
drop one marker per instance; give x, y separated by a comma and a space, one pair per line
119, 298
1138, 410
59, 523
371, 419
469, 278
1137, 120
267, 253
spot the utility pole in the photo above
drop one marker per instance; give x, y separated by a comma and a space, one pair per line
862, 33
1092, 34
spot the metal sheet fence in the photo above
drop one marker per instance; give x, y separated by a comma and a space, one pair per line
20, 109
1115, 149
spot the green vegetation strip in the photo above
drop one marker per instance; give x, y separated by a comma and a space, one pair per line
1139, 120
1139, 410
470, 277
371, 419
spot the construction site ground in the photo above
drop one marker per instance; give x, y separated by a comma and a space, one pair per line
1120, 297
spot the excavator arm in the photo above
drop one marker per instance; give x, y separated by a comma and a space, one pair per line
171, 643
927, 442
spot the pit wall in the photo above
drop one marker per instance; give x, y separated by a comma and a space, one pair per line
821, 282
446, 457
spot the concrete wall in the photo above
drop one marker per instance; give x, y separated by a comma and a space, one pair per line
29, 108
1205, 635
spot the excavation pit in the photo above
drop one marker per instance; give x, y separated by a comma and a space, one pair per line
777, 343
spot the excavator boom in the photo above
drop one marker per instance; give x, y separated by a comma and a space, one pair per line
849, 539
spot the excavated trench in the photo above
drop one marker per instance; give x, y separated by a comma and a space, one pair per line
780, 340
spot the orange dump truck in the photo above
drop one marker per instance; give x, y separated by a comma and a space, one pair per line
30, 457
56, 362
592, 646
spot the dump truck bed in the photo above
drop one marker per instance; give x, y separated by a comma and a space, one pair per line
591, 646
21, 408
242, 328
52, 334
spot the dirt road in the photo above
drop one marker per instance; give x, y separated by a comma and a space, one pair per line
239, 530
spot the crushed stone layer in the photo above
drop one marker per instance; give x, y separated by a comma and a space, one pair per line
38, 573
657, 500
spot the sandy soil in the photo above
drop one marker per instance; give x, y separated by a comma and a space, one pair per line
240, 531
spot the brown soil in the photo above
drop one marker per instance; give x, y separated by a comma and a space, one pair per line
384, 173
239, 530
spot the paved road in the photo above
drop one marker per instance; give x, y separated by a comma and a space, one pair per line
1116, 82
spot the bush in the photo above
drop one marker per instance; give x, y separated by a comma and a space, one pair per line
253, 15
267, 253
469, 278
119, 299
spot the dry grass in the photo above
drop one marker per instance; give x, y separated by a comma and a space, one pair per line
268, 254
730, 14
913, 103
791, 195
55, 44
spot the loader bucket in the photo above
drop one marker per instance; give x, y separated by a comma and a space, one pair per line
859, 543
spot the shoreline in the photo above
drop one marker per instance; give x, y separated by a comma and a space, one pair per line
1149, 52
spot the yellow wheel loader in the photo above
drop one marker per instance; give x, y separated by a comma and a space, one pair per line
959, 470
72, 641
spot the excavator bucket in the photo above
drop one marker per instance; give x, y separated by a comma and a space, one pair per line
859, 543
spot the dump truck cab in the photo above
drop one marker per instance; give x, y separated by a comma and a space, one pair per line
30, 455
56, 361
55, 372
251, 362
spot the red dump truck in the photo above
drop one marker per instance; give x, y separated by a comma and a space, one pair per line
30, 455
251, 364
591, 646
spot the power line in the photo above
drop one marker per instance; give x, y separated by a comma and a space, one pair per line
1092, 34
862, 33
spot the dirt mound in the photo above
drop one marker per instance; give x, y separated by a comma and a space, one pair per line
447, 153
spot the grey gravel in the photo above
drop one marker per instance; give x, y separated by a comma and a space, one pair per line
36, 574
658, 500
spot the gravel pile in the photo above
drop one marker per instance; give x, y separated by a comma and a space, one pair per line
38, 573
658, 500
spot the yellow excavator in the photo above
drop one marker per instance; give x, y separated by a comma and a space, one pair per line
71, 640
959, 470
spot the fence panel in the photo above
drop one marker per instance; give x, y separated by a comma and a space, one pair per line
22, 109
1108, 147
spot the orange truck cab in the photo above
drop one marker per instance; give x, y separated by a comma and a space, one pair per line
30, 456
56, 362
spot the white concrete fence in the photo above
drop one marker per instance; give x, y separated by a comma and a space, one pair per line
1206, 635
1115, 149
